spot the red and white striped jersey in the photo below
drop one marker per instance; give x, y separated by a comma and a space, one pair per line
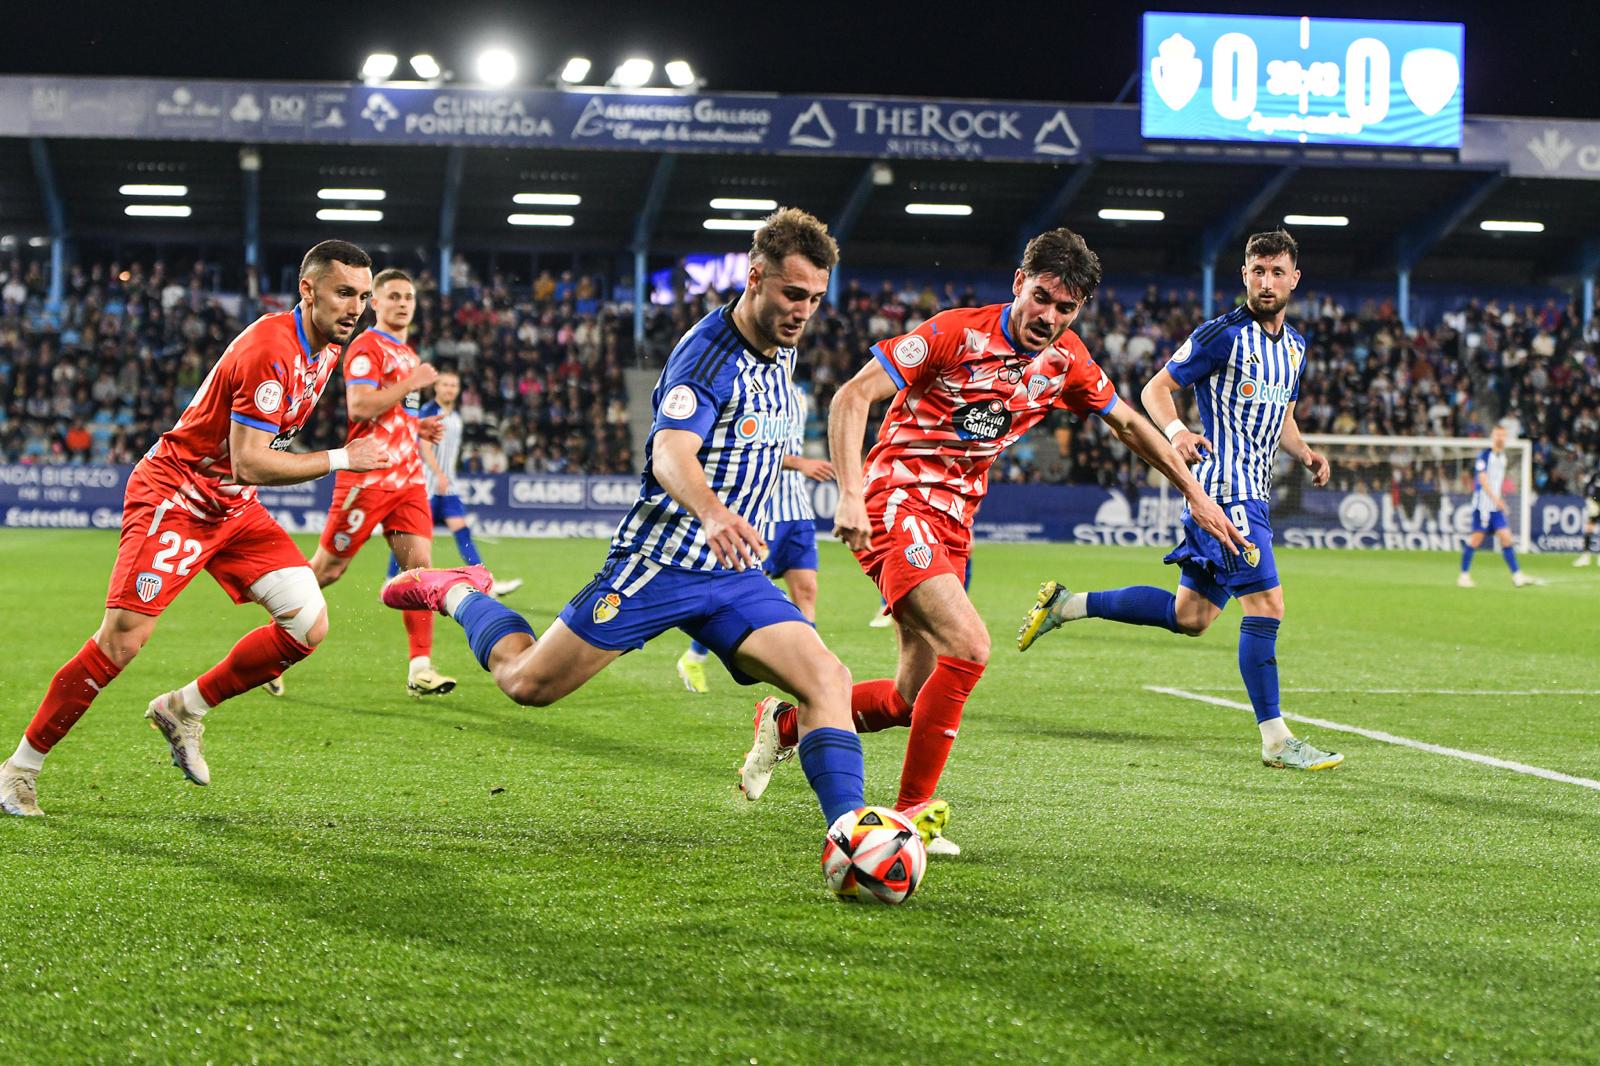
379, 359
967, 393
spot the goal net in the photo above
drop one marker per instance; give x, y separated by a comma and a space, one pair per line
1396, 492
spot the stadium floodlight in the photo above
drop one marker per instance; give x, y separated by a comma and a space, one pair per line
547, 199
1500, 225
426, 66
379, 65
1131, 214
540, 220
576, 70
349, 214
154, 190
953, 210
367, 195
632, 73
496, 67
40, 242
157, 210
1316, 220
679, 73
738, 203
746, 225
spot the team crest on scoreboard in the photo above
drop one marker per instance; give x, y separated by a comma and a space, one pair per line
605, 608
147, 585
919, 556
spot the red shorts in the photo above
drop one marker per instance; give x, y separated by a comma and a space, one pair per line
358, 511
163, 548
912, 542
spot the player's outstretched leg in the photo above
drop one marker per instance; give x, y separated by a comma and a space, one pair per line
1138, 605
1258, 666
692, 668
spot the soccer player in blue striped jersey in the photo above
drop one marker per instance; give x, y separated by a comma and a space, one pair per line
687, 555
1489, 512
791, 533
1245, 368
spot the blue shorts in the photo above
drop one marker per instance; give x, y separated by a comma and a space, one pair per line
791, 546
1489, 521
1216, 573
632, 601
446, 506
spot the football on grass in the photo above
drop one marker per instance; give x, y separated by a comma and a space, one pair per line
873, 855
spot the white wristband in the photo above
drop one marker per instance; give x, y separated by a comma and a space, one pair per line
1174, 427
338, 459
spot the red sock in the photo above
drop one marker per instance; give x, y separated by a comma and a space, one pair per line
878, 705
419, 631
71, 691
934, 721
261, 655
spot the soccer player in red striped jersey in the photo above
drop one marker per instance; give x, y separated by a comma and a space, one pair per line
383, 377
191, 505
965, 384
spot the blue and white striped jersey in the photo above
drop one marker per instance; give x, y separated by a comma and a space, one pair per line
792, 501
741, 405
1244, 379
1491, 467
448, 450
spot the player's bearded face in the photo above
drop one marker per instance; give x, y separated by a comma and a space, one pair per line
1268, 283
338, 297
1043, 310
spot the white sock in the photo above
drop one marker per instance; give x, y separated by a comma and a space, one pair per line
418, 664
696, 656
1075, 607
454, 597
28, 757
193, 702
1274, 734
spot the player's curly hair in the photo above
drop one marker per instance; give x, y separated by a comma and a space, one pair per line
324, 255
388, 274
1272, 243
1063, 254
788, 231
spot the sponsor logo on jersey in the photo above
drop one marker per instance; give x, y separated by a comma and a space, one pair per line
269, 396
679, 402
764, 427
605, 608
985, 420
919, 556
1259, 392
911, 351
147, 585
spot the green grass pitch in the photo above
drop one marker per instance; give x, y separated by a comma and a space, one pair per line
372, 878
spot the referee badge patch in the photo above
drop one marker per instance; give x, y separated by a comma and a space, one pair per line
605, 608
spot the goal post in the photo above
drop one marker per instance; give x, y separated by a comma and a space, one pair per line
1422, 479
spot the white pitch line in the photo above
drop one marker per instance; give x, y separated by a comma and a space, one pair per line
1435, 691
1390, 738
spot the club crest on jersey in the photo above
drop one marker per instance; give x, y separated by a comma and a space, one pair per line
341, 542
605, 608
147, 585
985, 420
919, 556
1036, 386
1252, 555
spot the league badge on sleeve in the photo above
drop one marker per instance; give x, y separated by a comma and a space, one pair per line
911, 351
679, 402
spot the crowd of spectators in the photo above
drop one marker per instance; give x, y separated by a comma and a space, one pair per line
543, 368
100, 377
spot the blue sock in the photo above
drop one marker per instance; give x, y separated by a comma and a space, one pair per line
394, 565
1466, 558
834, 765
468, 550
1258, 664
699, 648
487, 621
1510, 555
1138, 605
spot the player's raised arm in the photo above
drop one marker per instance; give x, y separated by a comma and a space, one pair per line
255, 462
676, 465
847, 428
1143, 438
1302, 452
1163, 411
